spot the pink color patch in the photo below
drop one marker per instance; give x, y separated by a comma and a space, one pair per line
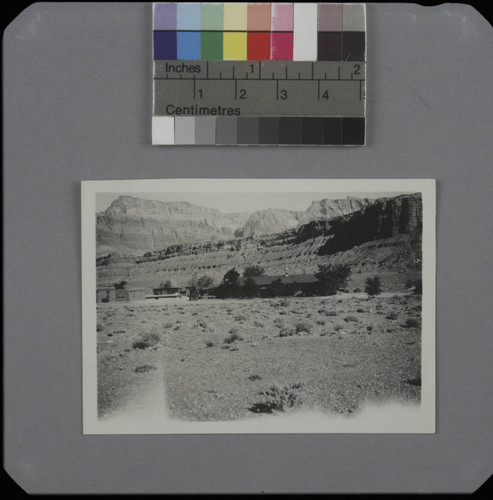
282, 17
282, 47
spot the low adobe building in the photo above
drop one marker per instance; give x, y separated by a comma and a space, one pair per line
112, 294
294, 284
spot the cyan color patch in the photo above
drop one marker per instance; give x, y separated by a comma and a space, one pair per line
188, 46
188, 16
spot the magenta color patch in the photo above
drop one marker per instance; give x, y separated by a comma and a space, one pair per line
165, 16
329, 17
282, 17
282, 47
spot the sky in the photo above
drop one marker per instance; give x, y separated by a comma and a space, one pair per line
241, 202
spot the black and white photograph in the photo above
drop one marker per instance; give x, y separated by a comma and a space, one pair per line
258, 305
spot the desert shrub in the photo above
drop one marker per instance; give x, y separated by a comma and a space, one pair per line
209, 343
303, 327
360, 310
258, 324
418, 287
373, 286
332, 277
349, 319
409, 283
233, 337
392, 315
369, 328
412, 323
205, 282
286, 332
144, 368
320, 322
254, 377
279, 322
203, 324
99, 327
253, 271
414, 381
168, 325
229, 286
283, 313
146, 340
249, 289
240, 317
338, 328
283, 303
327, 313
277, 399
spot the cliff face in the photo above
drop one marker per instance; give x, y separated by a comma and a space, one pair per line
385, 218
135, 226
328, 209
383, 235
268, 222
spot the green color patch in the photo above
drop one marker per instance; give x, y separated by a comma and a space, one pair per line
212, 46
211, 17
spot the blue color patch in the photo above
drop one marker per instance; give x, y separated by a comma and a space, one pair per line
188, 46
165, 45
188, 16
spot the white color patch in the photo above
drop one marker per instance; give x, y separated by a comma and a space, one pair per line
305, 32
163, 130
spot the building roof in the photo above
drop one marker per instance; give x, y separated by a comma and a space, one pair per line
265, 280
131, 289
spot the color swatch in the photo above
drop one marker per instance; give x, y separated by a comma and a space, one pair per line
259, 74
259, 32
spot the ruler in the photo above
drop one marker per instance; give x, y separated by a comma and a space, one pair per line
259, 88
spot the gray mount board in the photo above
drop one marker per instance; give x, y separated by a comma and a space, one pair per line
77, 106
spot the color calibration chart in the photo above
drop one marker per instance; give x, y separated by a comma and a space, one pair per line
259, 74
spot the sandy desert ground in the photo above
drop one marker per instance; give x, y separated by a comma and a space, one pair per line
230, 359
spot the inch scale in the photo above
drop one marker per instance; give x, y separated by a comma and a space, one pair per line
260, 88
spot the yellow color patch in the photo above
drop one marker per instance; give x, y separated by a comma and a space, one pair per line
235, 47
235, 16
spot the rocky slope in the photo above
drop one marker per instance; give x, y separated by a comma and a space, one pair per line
384, 235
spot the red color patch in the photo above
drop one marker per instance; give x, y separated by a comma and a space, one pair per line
258, 47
